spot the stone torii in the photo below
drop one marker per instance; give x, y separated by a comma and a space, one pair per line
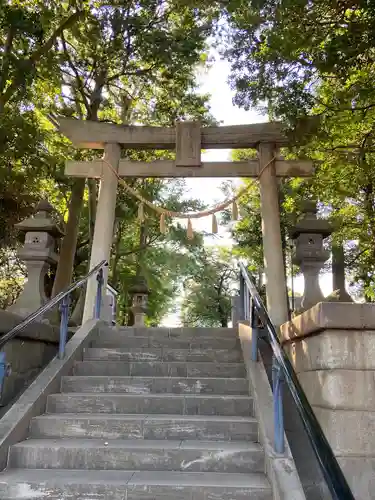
187, 139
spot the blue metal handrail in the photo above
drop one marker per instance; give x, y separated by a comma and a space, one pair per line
62, 298
282, 370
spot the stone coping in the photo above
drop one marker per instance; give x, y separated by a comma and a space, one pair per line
36, 330
15, 423
329, 316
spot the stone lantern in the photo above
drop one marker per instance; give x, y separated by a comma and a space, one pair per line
140, 294
39, 253
308, 235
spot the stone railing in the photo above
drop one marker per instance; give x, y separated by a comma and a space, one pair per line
332, 349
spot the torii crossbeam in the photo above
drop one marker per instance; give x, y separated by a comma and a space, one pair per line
187, 139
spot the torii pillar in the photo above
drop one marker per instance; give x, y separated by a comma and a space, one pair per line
276, 291
104, 222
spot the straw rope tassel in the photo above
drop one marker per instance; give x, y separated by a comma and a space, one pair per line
141, 212
234, 210
163, 227
189, 232
214, 224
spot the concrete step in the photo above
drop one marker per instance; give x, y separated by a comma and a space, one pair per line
102, 426
26, 484
113, 339
150, 455
160, 369
126, 331
146, 385
167, 404
164, 354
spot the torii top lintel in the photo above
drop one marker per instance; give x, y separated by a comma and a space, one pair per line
94, 135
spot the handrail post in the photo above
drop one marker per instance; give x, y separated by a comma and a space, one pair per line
4, 371
246, 305
277, 382
242, 297
254, 332
98, 301
64, 308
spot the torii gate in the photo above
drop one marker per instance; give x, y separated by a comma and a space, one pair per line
188, 138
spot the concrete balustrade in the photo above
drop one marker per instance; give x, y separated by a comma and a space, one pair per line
332, 349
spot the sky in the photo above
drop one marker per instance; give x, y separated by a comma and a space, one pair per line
214, 82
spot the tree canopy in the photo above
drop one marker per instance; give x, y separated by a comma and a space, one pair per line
311, 65
125, 61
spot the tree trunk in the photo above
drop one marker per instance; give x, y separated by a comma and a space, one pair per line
64, 271
116, 256
224, 323
93, 198
142, 243
78, 310
369, 208
92, 114
223, 317
130, 316
284, 246
338, 272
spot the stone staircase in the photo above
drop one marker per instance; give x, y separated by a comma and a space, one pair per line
148, 414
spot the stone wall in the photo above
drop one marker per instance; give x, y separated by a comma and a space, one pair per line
332, 349
28, 354
27, 359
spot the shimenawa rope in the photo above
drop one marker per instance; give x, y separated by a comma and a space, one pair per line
163, 212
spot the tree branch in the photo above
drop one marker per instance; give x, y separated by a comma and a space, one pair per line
6, 57
141, 247
76, 74
96, 95
352, 261
19, 80
68, 23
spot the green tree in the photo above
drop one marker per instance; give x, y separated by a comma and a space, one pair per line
281, 52
129, 62
209, 288
29, 33
311, 64
124, 62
